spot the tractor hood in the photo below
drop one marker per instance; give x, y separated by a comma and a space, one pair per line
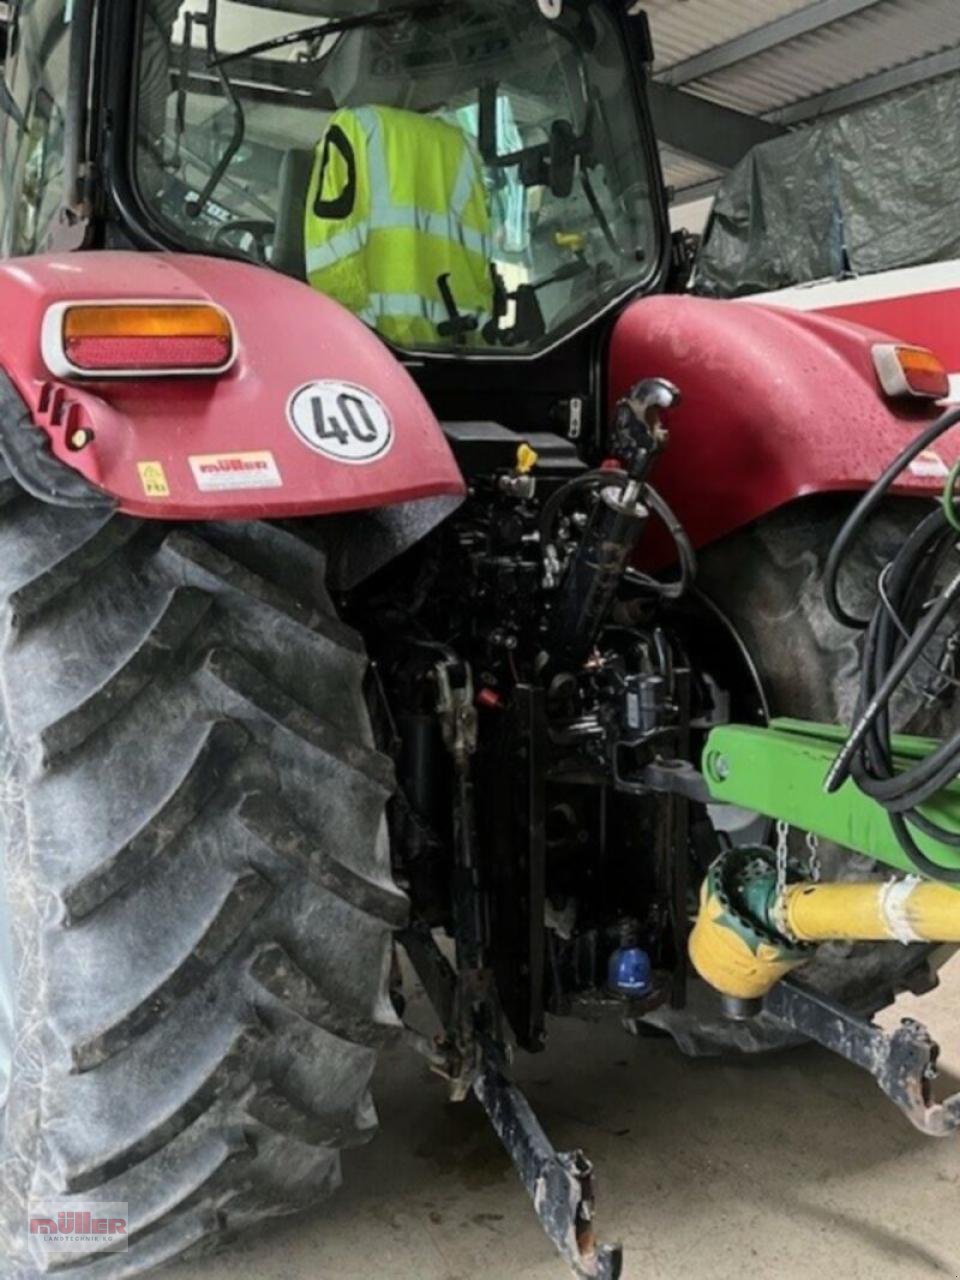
311, 415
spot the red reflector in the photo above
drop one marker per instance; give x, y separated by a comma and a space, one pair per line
191, 352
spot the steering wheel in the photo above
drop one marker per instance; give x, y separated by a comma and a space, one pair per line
261, 231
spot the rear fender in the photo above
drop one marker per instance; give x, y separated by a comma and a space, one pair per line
776, 405
216, 447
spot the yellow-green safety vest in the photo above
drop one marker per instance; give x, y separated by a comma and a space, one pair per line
397, 200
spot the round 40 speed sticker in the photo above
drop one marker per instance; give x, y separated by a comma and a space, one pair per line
341, 420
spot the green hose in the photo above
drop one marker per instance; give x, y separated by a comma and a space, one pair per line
948, 500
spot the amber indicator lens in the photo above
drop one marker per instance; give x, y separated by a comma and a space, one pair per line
924, 374
147, 337
910, 371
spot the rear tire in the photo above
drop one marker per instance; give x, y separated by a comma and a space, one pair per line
197, 867
769, 582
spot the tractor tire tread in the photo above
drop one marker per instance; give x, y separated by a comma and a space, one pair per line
196, 830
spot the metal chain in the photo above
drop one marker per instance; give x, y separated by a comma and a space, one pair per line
783, 830
813, 856
813, 862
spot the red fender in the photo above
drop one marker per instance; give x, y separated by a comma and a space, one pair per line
776, 405
225, 445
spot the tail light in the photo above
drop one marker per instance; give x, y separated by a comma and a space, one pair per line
141, 339
910, 371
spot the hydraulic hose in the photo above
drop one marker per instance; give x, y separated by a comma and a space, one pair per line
686, 555
904, 623
866, 507
891, 788
560, 497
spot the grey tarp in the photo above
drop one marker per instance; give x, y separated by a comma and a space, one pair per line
871, 190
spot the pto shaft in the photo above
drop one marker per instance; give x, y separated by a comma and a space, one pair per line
910, 910
752, 930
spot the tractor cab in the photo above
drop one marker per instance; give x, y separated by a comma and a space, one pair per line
470, 177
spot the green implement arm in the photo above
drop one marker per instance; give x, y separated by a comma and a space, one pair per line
779, 771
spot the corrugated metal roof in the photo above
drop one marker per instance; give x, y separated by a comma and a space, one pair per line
883, 35
892, 33
682, 28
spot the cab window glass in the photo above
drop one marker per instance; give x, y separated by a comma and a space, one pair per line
32, 127
463, 176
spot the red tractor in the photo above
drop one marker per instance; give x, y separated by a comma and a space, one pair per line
338, 608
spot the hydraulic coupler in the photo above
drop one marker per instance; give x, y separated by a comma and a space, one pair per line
753, 927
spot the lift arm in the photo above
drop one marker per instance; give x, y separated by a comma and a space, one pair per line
779, 771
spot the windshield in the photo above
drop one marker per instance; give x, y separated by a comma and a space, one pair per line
464, 176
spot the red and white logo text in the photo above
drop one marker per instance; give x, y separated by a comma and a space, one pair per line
64, 1225
219, 472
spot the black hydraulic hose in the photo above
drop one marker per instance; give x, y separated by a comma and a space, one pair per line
686, 554
900, 630
681, 539
881, 698
912, 576
558, 499
911, 579
917, 858
865, 508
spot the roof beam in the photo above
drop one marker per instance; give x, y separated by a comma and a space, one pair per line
806, 111
699, 191
853, 95
810, 18
704, 130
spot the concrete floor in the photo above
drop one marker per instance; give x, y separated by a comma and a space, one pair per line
785, 1166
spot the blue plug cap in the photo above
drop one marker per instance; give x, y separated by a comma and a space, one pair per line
630, 973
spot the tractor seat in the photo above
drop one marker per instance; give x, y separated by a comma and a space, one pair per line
296, 171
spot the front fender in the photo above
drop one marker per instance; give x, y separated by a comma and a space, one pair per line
776, 405
217, 447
